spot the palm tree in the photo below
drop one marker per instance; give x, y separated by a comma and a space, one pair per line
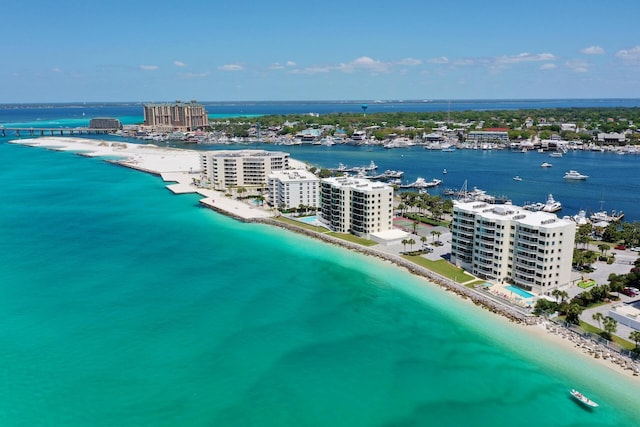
597, 317
635, 337
423, 239
559, 295
404, 242
573, 313
603, 248
437, 233
610, 326
411, 242
433, 233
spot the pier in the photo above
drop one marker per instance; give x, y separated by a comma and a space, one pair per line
54, 131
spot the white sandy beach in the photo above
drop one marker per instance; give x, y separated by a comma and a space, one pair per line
179, 167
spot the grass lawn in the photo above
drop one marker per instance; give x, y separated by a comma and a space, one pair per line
353, 239
584, 284
616, 339
441, 267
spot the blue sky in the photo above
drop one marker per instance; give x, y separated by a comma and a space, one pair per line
139, 50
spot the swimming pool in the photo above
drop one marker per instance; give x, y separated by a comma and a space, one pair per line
521, 292
309, 219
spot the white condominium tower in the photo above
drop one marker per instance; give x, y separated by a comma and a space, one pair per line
227, 169
292, 188
506, 243
356, 205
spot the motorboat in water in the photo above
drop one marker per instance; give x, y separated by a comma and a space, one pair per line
546, 165
575, 175
422, 183
517, 178
583, 399
552, 205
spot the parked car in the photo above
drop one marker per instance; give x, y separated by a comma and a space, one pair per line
627, 292
620, 247
636, 249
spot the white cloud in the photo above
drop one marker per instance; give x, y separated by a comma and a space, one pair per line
524, 57
439, 60
548, 66
593, 50
361, 64
148, 67
632, 54
231, 67
409, 61
56, 70
365, 63
315, 69
578, 66
179, 64
279, 66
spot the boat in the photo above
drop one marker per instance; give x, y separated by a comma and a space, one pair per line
575, 175
517, 178
556, 154
372, 166
583, 399
605, 216
444, 171
422, 183
387, 175
551, 205
546, 165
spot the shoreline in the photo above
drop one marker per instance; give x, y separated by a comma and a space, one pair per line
182, 166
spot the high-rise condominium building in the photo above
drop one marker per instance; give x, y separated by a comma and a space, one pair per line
226, 169
292, 188
176, 116
506, 243
356, 205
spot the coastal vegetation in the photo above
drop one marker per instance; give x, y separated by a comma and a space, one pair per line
520, 124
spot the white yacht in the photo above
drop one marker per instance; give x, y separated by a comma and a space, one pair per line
546, 165
575, 175
551, 205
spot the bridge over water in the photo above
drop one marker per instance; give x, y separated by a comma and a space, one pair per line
54, 131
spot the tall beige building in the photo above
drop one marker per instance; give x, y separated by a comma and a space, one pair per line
176, 116
505, 243
356, 205
226, 169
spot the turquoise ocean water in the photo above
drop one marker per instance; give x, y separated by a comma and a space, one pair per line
123, 304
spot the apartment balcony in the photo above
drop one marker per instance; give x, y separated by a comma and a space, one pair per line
529, 234
485, 261
488, 233
485, 246
520, 264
